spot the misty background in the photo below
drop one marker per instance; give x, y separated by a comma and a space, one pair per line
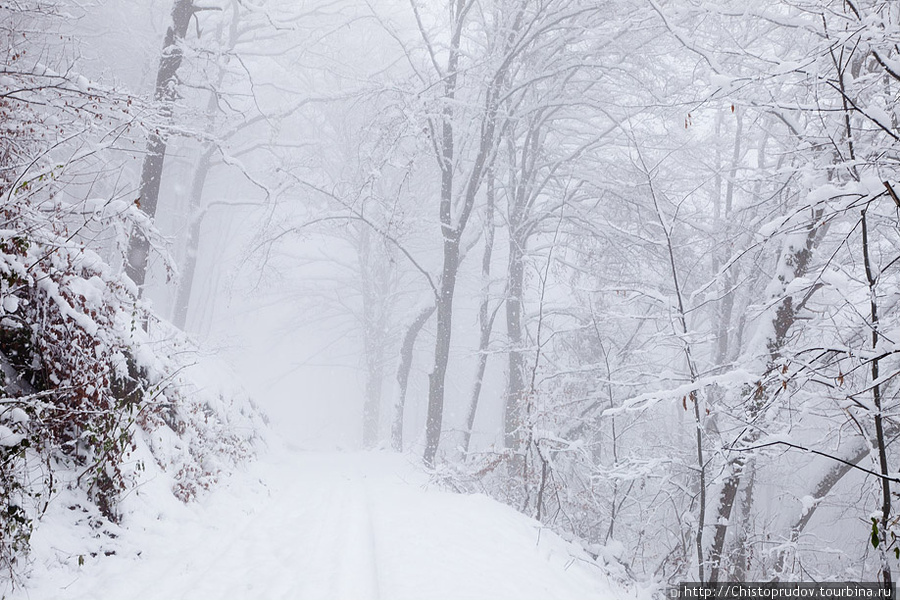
629, 267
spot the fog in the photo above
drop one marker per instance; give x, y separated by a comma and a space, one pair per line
629, 267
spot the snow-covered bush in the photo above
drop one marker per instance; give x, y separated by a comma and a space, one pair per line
82, 382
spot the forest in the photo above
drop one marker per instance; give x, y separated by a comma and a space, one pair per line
630, 267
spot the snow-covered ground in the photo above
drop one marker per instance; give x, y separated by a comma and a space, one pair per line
298, 525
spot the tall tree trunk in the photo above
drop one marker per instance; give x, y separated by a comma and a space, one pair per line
201, 171
521, 185
372, 404
723, 512
406, 356
375, 284
515, 391
723, 218
434, 418
485, 319
152, 167
796, 262
734, 467
880, 440
189, 266
741, 563
450, 235
452, 229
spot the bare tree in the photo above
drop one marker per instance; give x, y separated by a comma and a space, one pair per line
165, 93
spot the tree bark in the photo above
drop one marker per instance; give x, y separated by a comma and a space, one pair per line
880, 440
201, 171
515, 393
406, 356
726, 306
434, 419
785, 316
375, 283
450, 236
152, 167
485, 319
741, 562
189, 267
452, 228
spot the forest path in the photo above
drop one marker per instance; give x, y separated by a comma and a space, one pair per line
321, 526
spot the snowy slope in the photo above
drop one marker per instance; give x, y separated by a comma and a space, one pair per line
321, 526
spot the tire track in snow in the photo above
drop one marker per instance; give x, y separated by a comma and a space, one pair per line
337, 527
315, 554
373, 541
358, 570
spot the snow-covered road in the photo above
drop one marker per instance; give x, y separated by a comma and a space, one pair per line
321, 526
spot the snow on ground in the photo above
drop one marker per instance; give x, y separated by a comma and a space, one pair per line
319, 526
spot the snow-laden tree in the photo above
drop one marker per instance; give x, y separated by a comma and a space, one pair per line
813, 146
83, 384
